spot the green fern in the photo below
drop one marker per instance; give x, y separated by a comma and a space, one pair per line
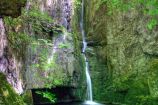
48, 95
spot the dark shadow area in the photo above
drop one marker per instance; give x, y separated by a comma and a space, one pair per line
11, 7
62, 94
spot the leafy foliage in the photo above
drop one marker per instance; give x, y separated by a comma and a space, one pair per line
64, 45
18, 39
36, 14
77, 4
47, 95
152, 23
38, 20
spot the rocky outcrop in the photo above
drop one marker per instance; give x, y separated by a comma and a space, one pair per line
8, 62
66, 68
23, 62
24, 40
9, 65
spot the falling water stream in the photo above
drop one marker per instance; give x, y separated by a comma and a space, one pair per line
89, 83
89, 100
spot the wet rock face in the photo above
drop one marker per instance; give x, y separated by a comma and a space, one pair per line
8, 63
11, 8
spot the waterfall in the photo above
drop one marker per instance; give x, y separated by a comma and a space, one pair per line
84, 46
89, 83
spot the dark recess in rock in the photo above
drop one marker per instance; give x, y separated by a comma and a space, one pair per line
11, 7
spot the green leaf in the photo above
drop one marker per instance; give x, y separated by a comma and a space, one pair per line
151, 24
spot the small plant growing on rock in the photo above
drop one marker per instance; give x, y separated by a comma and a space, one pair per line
48, 95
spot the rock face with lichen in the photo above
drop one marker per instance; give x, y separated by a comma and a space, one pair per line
122, 54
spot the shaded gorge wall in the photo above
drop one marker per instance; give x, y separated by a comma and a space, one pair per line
122, 51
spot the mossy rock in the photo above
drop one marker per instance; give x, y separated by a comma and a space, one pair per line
11, 7
7, 94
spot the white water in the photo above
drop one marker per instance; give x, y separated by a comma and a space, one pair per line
91, 103
89, 100
89, 83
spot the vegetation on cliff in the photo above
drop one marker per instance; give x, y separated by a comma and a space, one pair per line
34, 30
118, 32
122, 50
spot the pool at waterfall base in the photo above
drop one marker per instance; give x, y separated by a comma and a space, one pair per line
74, 103
81, 103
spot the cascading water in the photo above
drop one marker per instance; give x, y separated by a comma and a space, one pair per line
89, 83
